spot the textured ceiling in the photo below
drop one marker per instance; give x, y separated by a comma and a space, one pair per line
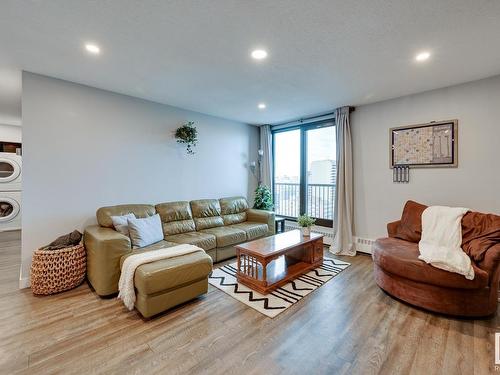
195, 54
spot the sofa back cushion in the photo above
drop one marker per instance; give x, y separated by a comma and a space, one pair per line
176, 217
480, 232
410, 227
139, 210
206, 213
234, 210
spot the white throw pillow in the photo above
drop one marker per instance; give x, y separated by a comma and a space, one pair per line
121, 223
144, 232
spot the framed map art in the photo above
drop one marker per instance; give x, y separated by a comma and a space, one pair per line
423, 146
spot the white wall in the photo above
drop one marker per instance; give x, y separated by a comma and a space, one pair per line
10, 133
474, 184
84, 148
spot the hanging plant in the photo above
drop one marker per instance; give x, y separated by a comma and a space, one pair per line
187, 134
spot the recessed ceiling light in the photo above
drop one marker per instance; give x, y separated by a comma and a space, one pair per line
422, 56
262, 106
259, 54
92, 48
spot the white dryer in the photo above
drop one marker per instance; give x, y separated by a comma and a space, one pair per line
10, 210
10, 172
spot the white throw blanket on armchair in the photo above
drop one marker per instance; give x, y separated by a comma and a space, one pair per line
441, 240
126, 284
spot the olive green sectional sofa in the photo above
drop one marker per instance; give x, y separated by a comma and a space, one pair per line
215, 225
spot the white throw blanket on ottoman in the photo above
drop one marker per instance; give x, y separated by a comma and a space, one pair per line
441, 240
126, 284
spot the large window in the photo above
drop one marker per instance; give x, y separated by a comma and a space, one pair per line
304, 171
287, 173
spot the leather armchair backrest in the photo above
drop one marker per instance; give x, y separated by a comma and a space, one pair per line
176, 217
234, 210
206, 213
139, 210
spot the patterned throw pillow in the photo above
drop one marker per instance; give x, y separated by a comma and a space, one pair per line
144, 232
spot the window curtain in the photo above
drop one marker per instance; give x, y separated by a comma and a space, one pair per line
266, 171
343, 210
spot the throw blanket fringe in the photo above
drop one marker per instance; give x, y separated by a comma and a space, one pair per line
442, 238
126, 284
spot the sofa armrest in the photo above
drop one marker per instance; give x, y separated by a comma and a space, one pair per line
392, 228
262, 216
491, 263
105, 247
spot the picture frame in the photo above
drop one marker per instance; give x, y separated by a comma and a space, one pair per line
429, 145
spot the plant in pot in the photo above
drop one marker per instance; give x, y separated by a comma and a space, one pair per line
263, 198
188, 135
305, 222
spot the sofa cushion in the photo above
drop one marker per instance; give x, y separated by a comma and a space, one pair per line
410, 227
176, 217
253, 230
204, 240
234, 218
227, 236
178, 227
139, 210
233, 210
400, 258
206, 213
156, 246
159, 245
165, 274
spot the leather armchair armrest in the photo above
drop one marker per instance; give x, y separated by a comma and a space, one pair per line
262, 216
491, 263
105, 247
392, 228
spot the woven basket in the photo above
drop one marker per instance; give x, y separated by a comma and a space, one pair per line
54, 271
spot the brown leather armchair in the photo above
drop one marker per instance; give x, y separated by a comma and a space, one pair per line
400, 273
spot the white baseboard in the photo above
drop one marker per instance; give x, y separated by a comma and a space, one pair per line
24, 282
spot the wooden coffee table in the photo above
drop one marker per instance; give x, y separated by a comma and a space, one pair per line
267, 263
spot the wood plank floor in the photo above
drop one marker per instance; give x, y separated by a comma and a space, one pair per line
348, 326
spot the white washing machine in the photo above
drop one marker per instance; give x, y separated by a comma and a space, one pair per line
10, 172
10, 210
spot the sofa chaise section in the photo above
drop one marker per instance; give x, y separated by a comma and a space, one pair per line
169, 282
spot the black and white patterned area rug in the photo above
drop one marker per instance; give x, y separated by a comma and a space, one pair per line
274, 303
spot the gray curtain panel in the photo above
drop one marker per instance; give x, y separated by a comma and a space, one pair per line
267, 159
343, 210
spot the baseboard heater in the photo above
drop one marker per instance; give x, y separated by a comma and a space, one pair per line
363, 245
325, 231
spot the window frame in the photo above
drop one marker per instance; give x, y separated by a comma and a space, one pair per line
303, 165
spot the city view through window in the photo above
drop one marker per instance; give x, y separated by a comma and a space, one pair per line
320, 164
